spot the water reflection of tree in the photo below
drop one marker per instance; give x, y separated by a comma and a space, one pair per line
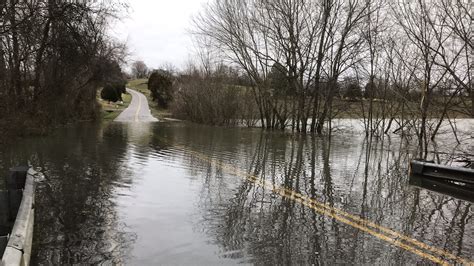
76, 219
363, 176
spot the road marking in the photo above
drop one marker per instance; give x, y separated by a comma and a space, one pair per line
139, 106
358, 222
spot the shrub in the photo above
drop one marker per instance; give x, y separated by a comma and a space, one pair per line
213, 102
353, 91
109, 93
160, 84
113, 92
120, 87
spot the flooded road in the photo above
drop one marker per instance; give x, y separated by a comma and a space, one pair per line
138, 110
183, 194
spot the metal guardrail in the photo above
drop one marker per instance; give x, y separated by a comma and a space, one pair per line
18, 214
444, 172
457, 182
453, 189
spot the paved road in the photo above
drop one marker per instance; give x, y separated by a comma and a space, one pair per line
137, 111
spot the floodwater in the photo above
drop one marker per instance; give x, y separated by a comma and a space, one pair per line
183, 194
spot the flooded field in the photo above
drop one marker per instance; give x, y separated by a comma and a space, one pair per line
179, 193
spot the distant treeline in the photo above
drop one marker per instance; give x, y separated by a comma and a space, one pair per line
53, 57
225, 97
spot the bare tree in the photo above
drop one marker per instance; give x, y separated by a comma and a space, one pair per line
438, 55
53, 57
139, 69
312, 41
452, 27
406, 52
232, 27
343, 48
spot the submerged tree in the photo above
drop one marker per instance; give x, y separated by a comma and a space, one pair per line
314, 42
404, 51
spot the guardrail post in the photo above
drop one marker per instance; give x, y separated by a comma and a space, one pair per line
5, 225
3, 244
17, 177
4, 211
18, 247
15, 185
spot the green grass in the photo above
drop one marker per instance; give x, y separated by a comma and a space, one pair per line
110, 111
141, 85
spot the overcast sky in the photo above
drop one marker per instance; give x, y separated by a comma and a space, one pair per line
155, 30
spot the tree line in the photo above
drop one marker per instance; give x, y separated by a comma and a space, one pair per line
53, 57
413, 60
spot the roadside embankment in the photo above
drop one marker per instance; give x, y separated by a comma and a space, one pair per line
109, 110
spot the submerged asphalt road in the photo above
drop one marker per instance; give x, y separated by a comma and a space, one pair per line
137, 111
186, 194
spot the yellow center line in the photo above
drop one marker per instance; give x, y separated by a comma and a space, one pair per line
386, 234
139, 106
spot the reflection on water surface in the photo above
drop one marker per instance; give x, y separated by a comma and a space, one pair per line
176, 193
